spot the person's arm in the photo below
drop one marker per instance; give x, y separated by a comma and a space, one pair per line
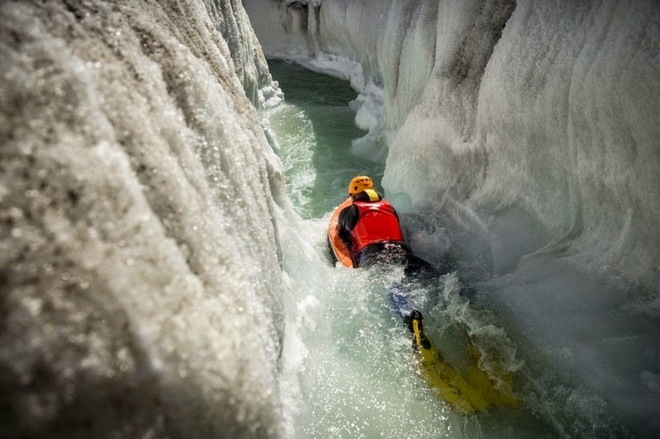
346, 221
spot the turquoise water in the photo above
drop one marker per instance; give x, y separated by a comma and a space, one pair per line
354, 373
314, 129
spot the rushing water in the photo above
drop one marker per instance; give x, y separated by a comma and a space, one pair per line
315, 128
349, 366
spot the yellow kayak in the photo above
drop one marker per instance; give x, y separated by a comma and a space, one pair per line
469, 393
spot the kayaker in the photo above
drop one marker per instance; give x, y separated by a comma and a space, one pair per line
369, 228
364, 231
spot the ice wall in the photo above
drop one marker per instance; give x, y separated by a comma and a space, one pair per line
558, 128
539, 116
140, 267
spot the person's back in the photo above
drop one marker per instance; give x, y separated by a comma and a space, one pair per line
370, 229
368, 222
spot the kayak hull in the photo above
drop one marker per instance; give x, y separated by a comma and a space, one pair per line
466, 393
337, 246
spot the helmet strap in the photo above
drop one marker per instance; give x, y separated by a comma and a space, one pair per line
373, 195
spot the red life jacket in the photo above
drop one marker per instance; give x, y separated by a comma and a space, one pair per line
377, 222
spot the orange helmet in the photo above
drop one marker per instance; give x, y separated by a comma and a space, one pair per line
359, 184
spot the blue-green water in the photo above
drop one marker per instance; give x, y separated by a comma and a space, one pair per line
314, 129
